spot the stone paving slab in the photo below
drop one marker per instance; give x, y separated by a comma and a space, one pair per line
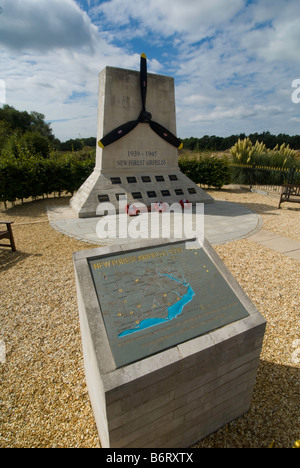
223, 222
295, 254
284, 245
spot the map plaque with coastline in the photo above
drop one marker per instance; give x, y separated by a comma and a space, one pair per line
155, 298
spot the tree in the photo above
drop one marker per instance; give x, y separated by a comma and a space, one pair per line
24, 122
5, 133
14, 118
38, 125
36, 143
23, 135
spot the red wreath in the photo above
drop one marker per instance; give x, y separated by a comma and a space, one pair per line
131, 210
185, 204
160, 207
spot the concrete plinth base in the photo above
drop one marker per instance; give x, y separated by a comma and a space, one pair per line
177, 396
172, 187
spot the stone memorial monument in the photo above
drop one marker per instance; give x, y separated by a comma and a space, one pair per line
171, 342
137, 150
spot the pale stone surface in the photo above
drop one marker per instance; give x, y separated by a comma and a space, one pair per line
120, 102
223, 222
141, 153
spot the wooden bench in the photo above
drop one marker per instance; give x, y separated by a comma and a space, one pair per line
290, 193
7, 234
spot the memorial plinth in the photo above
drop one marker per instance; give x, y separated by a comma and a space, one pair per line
141, 166
171, 342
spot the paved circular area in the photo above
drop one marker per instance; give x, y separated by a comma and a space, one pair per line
222, 221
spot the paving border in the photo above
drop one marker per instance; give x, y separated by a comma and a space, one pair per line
283, 245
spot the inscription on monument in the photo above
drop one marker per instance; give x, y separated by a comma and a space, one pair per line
141, 158
158, 297
140, 162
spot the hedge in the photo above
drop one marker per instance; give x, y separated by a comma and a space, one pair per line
25, 178
208, 170
20, 179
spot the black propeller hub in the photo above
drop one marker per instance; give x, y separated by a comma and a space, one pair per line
145, 117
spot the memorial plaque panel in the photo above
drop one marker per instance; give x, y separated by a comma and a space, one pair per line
103, 198
156, 298
136, 195
179, 191
191, 190
115, 180
165, 193
131, 180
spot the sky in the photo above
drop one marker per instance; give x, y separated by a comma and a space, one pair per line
236, 63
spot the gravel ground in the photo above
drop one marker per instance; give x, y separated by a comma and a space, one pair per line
44, 400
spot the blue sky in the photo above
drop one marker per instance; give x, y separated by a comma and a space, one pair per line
233, 61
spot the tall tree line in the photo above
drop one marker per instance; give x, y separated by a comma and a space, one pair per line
31, 130
216, 143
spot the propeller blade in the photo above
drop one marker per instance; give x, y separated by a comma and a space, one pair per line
166, 134
143, 79
117, 133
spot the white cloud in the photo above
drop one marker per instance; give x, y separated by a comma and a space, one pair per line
52, 63
193, 18
194, 99
244, 74
275, 32
42, 25
233, 64
61, 84
239, 112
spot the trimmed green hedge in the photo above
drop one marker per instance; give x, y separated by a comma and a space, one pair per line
24, 178
21, 179
207, 170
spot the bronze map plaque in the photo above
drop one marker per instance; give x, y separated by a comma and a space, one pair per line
154, 298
